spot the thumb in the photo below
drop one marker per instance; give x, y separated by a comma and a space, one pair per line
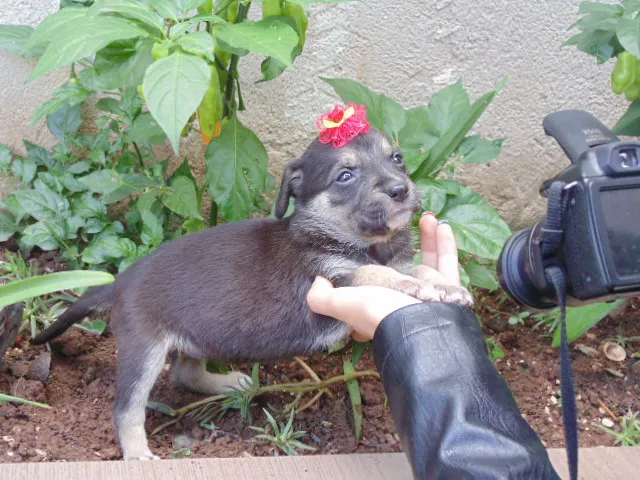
320, 296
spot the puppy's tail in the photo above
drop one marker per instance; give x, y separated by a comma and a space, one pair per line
97, 299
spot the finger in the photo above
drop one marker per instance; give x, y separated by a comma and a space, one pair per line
359, 337
319, 296
428, 242
447, 253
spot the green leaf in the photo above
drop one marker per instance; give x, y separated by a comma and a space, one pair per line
236, 169
120, 64
42, 204
63, 20
25, 169
357, 350
13, 206
199, 43
447, 106
183, 198
65, 121
8, 226
629, 123
271, 37
96, 326
481, 276
70, 94
355, 397
44, 234
116, 186
129, 8
174, 88
464, 276
165, 8
214, 366
581, 319
383, 113
194, 225
8, 398
448, 143
152, 231
628, 32
82, 40
5, 158
145, 131
14, 39
110, 105
433, 194
417, 136
478, 150
21, 290
479, 230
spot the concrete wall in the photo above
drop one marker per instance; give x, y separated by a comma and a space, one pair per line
407, 50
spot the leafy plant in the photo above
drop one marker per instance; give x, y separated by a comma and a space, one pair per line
284, 437
519, 318
160, 69
629, 436
435, 140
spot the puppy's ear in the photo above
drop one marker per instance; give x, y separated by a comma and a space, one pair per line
290, 187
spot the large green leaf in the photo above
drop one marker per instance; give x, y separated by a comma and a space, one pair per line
83, 40
63, 20
14, 39
145, 130
182, 199
44, 234
174, 87
581, 319
451, 139
21, 290
25, 169
8, 226
134, 9
479, 230
383, 113
121, 64
433, 193
629, 123
65, 121
478, 150
271, 37
628, 32
165, 8
68, 95
116, 186
447, 106
236, 169
417, 136
480, 276
198, 43
42, 204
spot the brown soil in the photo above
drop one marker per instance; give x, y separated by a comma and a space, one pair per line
81, 391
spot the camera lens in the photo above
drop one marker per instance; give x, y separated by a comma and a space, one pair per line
628, 158
513, 274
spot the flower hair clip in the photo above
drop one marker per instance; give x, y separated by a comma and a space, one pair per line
343, 124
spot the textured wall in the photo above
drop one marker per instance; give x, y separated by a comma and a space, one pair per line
407, 50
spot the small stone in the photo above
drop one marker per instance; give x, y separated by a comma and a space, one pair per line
554, 400
389, 438
326, 424
607, 422
246, 454
601, 410
39, 452
546, 410
590, 336
18, 369
40, 368
497, 324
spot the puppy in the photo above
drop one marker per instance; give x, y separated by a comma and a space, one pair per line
237, 292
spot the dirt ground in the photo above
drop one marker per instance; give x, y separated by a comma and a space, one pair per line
81, 390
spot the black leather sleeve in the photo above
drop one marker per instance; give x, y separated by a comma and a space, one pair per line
454, 412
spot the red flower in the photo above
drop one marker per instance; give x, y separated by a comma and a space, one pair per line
343, 124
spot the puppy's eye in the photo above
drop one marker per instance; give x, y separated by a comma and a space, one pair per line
345, 176
397, 158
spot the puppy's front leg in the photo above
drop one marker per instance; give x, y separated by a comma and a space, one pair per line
381, 276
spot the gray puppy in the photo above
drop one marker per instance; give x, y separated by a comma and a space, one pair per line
237, 292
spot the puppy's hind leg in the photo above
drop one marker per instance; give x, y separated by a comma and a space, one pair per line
191, 374
138, 369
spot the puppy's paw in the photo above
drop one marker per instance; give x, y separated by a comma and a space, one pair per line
428, 293
455, 294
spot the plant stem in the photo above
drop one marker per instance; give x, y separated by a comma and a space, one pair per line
223, 8
135, 146
213, 214
229, 103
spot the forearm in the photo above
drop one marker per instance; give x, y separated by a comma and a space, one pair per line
453, 410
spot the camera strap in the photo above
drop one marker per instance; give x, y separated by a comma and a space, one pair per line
552, 234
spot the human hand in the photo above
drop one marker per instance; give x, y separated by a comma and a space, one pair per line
363, 308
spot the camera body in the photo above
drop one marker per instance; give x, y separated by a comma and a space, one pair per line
598, 245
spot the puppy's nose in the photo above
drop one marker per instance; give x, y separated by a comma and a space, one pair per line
398, 191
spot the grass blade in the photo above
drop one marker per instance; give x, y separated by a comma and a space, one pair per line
356, 399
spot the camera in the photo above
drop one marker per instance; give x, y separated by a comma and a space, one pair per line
592, 227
